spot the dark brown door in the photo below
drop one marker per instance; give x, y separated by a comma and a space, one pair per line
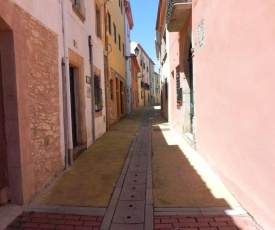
121, 98
73, 109
3, 153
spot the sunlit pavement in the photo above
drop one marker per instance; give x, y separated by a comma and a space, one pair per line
163, 184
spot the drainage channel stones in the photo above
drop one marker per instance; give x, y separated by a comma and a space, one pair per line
131, 204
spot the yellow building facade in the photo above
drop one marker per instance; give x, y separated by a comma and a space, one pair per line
115, 48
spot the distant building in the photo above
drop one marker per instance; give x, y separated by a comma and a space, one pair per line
155, 89
146, 72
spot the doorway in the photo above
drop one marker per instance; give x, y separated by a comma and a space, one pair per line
3, 151
121, 98
118, 98
73, 106
188, 94
191, 85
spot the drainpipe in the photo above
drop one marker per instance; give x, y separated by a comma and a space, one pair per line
106, 66
66, 93
92, 86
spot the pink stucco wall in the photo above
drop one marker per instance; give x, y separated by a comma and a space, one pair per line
176, 52
234, 85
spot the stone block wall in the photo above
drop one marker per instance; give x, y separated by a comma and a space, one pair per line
43, 84
31, 97
41, 63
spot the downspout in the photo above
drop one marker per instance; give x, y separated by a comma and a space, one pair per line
106, 89
92, 86
106, 63
66, 93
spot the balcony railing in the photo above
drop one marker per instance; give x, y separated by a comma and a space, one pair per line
177, 14
145, 85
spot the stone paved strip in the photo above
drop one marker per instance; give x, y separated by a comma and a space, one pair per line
131, 206
32, 220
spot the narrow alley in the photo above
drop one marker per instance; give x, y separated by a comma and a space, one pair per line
137, 114
136, 191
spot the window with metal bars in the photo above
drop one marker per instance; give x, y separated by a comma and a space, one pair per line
179, 89
98, 94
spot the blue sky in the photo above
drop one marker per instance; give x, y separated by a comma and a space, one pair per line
144, 15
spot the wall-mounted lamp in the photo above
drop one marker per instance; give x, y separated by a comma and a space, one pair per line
133, 55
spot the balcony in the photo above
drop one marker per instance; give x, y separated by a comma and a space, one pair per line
145, 85
177, 14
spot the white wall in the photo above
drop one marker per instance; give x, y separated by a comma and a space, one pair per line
50, 14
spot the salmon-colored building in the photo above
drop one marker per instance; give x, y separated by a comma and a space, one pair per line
217, 66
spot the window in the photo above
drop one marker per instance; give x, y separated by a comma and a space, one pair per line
98, 22
109, 23
141, 62
119, 42
179, 89
166, 89
98, 94
114, 26
147, 69
120, 6
201, 34
123, 50
79, 8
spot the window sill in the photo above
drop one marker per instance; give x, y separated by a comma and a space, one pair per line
98, 113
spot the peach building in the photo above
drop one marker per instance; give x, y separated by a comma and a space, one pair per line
217, 67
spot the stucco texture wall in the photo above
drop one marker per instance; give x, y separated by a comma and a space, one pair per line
234, 80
